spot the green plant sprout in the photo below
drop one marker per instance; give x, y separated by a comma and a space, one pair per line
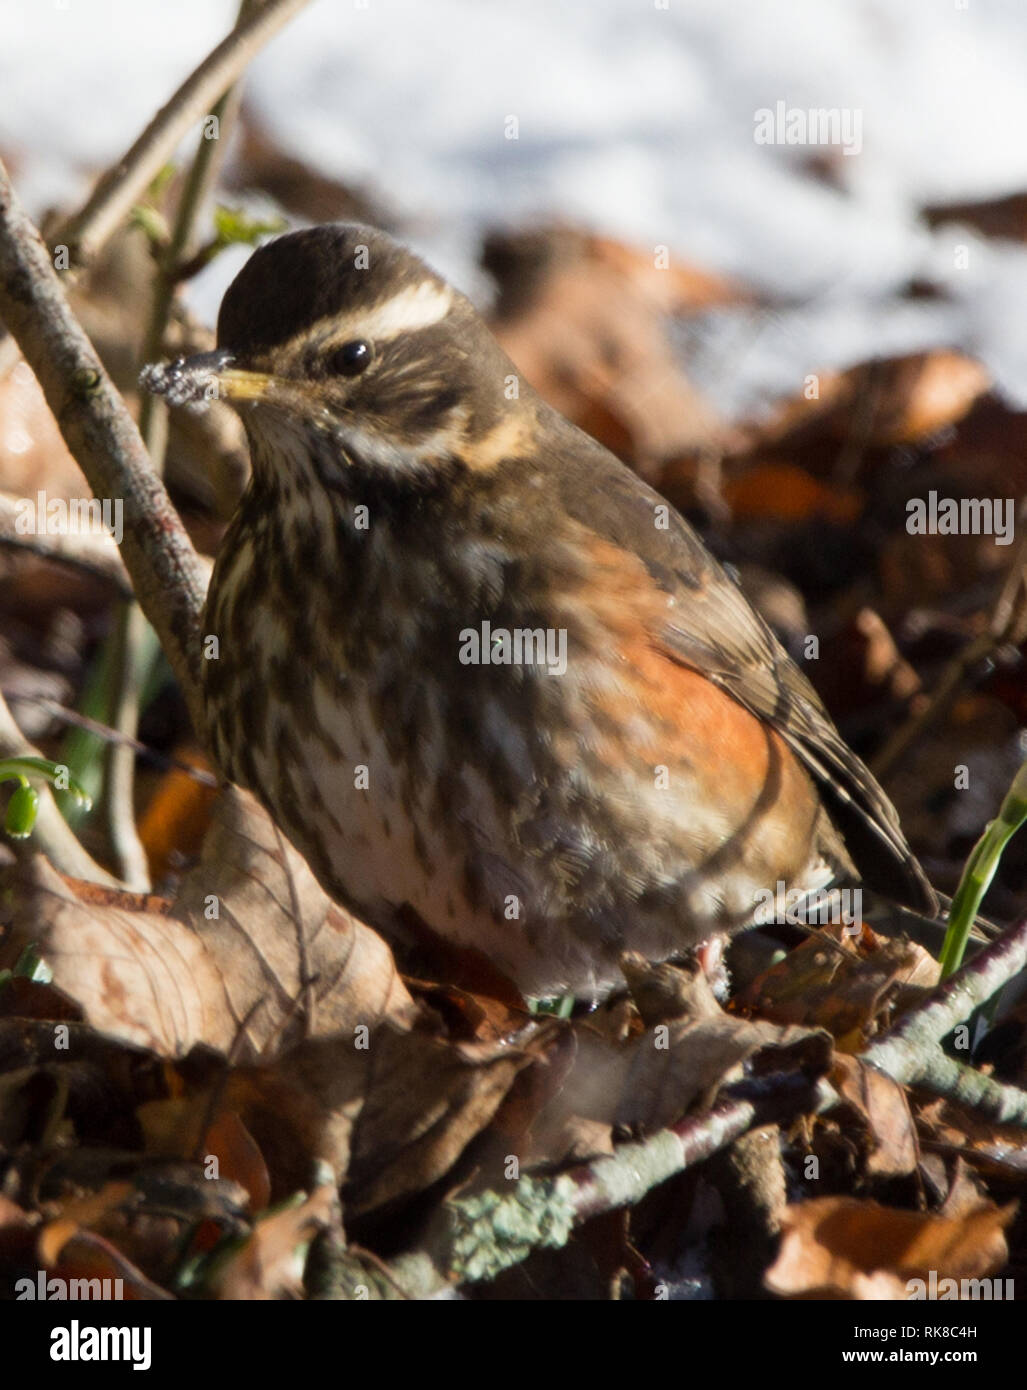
980, 870
23, 807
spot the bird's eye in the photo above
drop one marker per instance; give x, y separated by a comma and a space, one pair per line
351, 359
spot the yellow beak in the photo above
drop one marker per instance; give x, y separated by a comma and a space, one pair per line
207, 376
235, 385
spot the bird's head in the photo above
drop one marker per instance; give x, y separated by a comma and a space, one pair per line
342, 351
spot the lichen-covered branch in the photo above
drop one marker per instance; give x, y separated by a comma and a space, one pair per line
475, 1238
910, 1051
989, 1100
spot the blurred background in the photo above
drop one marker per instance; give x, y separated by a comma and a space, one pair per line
635, 121
791, 329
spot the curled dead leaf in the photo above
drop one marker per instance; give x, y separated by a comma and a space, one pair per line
883, 1110
843, 983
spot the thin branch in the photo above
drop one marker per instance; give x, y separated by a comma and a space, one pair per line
125, 183
988, 1099
167, 575
130, 647
103, 731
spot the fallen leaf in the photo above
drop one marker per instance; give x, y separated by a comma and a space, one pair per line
830, 982
882, 1108
880, 404
177, 816
786, 492
585, 320
654, 1079
225, 964
389, 1112
839, 1247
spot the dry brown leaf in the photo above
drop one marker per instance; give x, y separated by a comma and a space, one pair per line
965, 1191
882, 1107
674, 285
994, 1149
896, 400
652, 1080
838, 1247
85, 1255
265, 954
136, 973
376, 1090
996, 217
786, 492
861, 668
33, 454
85, 1210
169, 1208
238, 1157
584, 319
843, 990
390, 1112
168, 978
921, 571
177, 816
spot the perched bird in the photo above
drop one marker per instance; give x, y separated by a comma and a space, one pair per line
474, 667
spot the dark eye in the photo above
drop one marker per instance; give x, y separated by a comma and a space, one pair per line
351, 359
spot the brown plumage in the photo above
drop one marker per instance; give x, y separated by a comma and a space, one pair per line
410, 499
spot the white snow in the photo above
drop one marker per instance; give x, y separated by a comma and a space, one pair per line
632, 118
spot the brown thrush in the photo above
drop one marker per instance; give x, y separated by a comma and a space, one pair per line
473, 666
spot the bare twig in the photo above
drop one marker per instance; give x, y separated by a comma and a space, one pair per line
167, 575
198, 183
130, 649
124, 184
989, 1100
103, 731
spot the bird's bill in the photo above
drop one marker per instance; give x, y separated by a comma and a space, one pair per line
203, 377
237, 385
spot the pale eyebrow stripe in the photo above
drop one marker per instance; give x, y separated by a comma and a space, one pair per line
416, 306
